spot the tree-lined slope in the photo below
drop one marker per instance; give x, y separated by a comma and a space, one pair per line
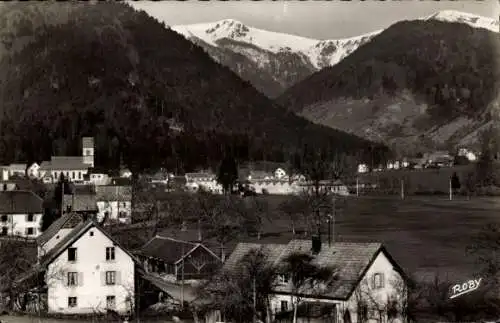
120, 75
417, 80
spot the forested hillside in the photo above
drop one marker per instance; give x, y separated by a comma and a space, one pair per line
121, 76
451, 66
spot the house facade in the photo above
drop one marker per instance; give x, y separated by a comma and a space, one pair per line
99, 179
88, 272
203, 180
33, 170
20, 213
364, 278
114, 202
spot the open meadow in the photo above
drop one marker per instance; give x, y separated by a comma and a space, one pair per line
427, 235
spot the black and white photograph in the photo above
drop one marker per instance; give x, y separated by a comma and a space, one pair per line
250, 161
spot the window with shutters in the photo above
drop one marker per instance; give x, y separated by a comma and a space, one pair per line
5, 218
30, 231
30, 217
72, 278
110, 302
110, 277
72, 302
110, 253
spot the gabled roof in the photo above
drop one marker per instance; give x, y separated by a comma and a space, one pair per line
72, 237
64, 163
81, 202
113, 193
53, 229
172, 249
167, 249
350, 260
20, 202
18, 167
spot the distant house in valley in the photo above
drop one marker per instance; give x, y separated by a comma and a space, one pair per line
20, 213
114, 203
17, 169
361, 273
32, 170
99, 179
175, 259
280, 173
203, 180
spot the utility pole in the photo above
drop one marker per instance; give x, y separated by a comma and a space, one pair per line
182, 279
451, 191
357, 186
402, 189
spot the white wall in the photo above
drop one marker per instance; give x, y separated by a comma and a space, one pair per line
91, 265
99, 179
114, 208
72, 175
17, 224
276, 187
363, 291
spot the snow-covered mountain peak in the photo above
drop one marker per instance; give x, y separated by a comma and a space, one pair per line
470, 19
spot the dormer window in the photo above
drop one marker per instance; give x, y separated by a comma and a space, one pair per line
283, 278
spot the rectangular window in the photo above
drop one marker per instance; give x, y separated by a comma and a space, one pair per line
110, 253
110, 277
79, 175
72, 279
284, 306
30, 231
72, 302
5, 218
110, 302
71, 254
283, 278
5, 230
73, 175
30, 217
378, 280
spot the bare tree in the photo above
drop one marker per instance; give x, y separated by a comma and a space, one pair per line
305, 277
216, 215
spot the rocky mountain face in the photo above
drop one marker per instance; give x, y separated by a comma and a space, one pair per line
273, 61
418, 85
270, 61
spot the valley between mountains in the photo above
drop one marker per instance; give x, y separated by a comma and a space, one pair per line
429, 83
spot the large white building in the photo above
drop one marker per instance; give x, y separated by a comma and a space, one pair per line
73, 168
20, 213
88, 272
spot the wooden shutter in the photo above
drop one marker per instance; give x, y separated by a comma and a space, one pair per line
65, 278
118, 278
382, 280
103, 278
80, 279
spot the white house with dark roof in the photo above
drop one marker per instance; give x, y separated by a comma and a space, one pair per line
204, 180
88, 272
114, 202
20, 213
88, 151
366, 276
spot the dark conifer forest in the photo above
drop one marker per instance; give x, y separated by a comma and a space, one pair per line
108, 71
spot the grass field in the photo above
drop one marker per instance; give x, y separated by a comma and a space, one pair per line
427, 235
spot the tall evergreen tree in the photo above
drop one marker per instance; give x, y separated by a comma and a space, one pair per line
228, 174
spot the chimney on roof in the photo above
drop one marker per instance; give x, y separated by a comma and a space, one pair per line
315, 244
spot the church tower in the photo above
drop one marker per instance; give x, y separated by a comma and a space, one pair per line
88, 151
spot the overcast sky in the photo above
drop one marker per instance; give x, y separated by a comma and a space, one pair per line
315, 19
